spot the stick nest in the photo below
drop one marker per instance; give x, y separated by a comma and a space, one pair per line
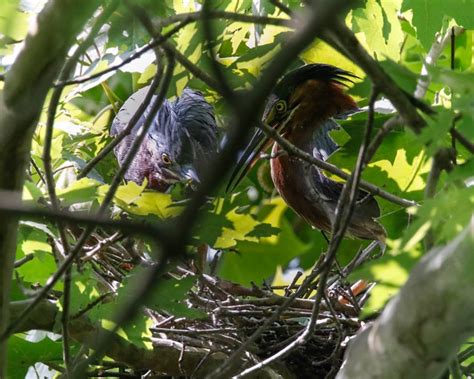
232, 313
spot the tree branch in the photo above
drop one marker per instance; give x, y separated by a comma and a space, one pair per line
293, 150
215, 14
48, 169
435, 51
10, 205
463, 140
25, 88
423, 326
341, 36
345, 207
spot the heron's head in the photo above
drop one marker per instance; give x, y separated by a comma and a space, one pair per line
183, 139
310, 93
302, 98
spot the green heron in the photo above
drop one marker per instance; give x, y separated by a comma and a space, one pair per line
179, 143
303, 107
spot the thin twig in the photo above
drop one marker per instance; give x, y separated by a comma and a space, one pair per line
37, 169
215, 14
216, 69
341, 36
48, 169
91, 305
386, 128
282, 7
293, 150
463, 140
153, 44
344, 210
442, 160
104, 206
192, 68
101, 245
20, 262
359, 259
8, 205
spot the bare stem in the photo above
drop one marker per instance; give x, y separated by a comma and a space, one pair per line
293, 150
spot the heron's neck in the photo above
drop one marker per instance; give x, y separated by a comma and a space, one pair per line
314, 139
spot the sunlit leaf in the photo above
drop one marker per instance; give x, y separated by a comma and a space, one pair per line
80, 191
379, 27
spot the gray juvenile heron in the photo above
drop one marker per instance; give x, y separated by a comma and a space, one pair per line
179, 144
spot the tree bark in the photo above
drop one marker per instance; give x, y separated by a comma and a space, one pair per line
422, 328
26, 86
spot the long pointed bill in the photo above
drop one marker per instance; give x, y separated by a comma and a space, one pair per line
248, 158
259, 142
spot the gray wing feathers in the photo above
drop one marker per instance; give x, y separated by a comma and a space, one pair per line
330, 189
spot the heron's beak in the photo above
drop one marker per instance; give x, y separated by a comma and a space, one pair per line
248, 158
258, 143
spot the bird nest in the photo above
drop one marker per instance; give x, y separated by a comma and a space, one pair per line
232, 313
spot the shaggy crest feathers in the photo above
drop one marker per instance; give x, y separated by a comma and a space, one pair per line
316, 71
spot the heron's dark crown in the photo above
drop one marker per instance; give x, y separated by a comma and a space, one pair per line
316, 71
186, 121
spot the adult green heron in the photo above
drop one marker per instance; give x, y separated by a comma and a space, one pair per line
178, 145
303, 107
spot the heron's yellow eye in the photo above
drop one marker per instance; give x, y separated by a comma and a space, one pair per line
280, 106
166, 159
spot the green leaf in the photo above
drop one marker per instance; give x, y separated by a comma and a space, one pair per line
227, 223
128, 193
149, 203
429, 15
446, 214
31, 193
23, 354
257, 261
459, 82
13, 22
170, 296
85, 289
81, 191
263, 230
379, 27
436, 134
404, 78
389, 273
39, 269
